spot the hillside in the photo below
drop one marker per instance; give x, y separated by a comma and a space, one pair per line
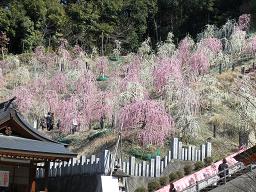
196, 90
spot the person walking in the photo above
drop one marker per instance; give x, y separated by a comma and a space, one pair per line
49, 121
223, 171
172, 188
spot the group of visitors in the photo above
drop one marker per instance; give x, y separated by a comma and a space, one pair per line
47, 122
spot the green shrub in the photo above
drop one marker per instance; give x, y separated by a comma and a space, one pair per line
208, 161
180, 174
113, 58
98, 134
163, 181
143, 154
141, 189
153, 186
173, 176
188, 169
25, 57
65, 140
198, 165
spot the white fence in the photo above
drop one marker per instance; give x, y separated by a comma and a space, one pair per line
153, 168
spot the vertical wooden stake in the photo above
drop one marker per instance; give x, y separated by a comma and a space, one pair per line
46, 175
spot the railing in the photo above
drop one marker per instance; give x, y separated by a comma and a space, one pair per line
215, 179
205, 176
236, 63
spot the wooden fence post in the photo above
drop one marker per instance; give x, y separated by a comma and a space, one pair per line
220, 68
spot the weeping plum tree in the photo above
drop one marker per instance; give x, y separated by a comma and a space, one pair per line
24, 98
251, 45
148, 120
199, 62
166, 68
59, 82
244, 22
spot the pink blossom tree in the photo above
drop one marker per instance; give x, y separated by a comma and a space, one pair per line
24, 98
131, 73
148, 120
244, 22
185, 49
251, 45
59, 82
43, 59
102, 65
211, 43
166, 68
92, 102
66, 111
199, 62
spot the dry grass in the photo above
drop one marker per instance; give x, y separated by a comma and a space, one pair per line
97, 145
228, 76
223, 147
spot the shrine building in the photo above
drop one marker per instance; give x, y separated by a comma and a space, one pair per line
22, 149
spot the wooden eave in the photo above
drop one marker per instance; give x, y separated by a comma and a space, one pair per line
27, 155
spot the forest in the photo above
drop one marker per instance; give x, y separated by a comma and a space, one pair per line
99, 23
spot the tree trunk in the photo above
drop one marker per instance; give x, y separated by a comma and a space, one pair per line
102, 123
156, 28
243, 138
102, 44
2, 50
214, 131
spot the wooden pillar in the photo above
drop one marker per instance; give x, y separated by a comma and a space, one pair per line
46, 174
32, 176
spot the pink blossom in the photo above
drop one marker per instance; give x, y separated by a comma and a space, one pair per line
52, 99
166, 68
46, 59
24, 98
251, 45
244, 22
212, 44
39, 85
199, 62
86, 84
78, 50
185, 49
150, 120
92, 102
66, 112
102, 65
59, 82
131, 73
